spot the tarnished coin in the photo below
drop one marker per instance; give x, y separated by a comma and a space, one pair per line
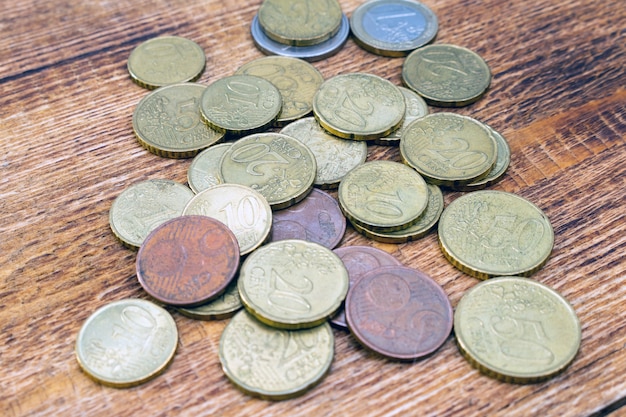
166, 60
449, 149
446, 75
143, 206
335, 157
278, 166
493, 233
300, 22
317, 218
240, 104
359, 106
415, 108
383, 195
246, 213
224, 306
292, 284
274, 364
393, 27
359, 260
167, 122
399, 312
188, 260
296, 79
516, 329
204, 170
126, 343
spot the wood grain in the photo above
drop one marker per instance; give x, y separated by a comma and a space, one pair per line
66, 101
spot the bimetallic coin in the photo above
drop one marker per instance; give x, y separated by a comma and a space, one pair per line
204, 171
516, 329
393, 27
292, 284
126, 343
166, 60
399, 312
493, 233
188, 261
167, 122
359, 106
274, 364
246, 213
446, 75
224, 306
143, 206
415, 108
335, 157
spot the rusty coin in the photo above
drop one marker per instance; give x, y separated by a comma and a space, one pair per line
399, 312
188, 260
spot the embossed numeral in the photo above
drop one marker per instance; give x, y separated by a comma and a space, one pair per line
256, 154
454, 153
287, 294
244, 216
384, 204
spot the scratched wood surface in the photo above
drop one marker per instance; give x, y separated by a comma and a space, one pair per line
558, 95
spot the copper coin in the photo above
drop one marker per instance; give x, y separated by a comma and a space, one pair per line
399, 312
317, 219
359, 260
188, 260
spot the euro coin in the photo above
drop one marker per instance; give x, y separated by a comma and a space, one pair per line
204, 170
415, 108
224, 306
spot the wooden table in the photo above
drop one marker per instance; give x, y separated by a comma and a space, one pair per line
68, 150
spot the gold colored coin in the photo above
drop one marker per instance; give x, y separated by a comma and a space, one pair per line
226, 305
126, 343
296, 79
167, 122
383, 196
494, 233
204, 171
166, 60
359, 106
517, 329
292, 284
335, 157
415, 108
274, 364
246, 212
300, 22
446, 75
449, 149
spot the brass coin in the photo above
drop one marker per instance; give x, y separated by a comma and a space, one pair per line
335, 157
126, 343
449, 149
359, 106
493, 233
204, 171
278, 166
274, 364
143, 206
516, 329
383, 195
292, 284
224, 306
446, 75
166, 60
240, 104
296, 79
415, 108
246, 213
167, 122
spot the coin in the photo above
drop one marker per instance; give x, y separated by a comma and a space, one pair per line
292, 284
188, 261
274, 364
204, 171
317, 218
359, 260
335, 157
446, 75
143, 206
246, 213
393, 27
383, 195
516, 329
167, 122
278, 166
415, 108
240, 104
359, 106
126, 343
166, 60
493, 233
224, 306
449, 149
399, 312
